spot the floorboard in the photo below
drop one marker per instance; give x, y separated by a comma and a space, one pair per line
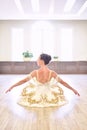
72, 116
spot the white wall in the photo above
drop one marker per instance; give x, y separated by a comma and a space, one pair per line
79, 37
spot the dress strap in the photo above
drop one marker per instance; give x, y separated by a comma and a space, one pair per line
29, 76
57, 78
37, 73
50, 75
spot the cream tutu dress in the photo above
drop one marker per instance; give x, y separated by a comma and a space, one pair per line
37, 94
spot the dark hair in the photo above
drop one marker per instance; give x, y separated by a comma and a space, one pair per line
46, 58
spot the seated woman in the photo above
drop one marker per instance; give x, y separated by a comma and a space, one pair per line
43, 89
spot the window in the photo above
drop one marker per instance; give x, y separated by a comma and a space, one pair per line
66, 44
42, 38
17, 44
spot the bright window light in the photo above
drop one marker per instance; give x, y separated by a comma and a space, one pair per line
51, 9
66, 44
82, 8
42, 38
68, 6
17, 44
19, 6
35, 5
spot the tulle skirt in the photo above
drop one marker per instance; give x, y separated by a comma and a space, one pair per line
36, 94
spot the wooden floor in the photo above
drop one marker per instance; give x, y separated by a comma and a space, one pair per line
72, 116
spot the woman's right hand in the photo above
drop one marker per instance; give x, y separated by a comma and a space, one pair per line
8, 90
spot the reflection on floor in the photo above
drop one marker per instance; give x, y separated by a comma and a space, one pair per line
72, 116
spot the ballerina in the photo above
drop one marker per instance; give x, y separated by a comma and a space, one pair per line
43, 89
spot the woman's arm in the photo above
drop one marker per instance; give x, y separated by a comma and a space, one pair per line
17, 84
31, 75
55, 75
68, 86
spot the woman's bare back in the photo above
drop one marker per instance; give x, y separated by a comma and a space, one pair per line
43, 76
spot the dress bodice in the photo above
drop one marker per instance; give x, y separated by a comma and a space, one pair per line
52, 81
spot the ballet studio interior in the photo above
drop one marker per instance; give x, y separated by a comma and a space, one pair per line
30, 29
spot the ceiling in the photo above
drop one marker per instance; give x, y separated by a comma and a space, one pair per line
43, 9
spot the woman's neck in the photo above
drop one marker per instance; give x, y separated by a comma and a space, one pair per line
43, 67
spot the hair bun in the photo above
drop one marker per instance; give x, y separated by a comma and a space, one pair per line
46, 58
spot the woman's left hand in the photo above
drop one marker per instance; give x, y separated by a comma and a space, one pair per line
76, 92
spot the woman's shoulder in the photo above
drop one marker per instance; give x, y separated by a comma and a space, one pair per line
33, 73
53, 73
